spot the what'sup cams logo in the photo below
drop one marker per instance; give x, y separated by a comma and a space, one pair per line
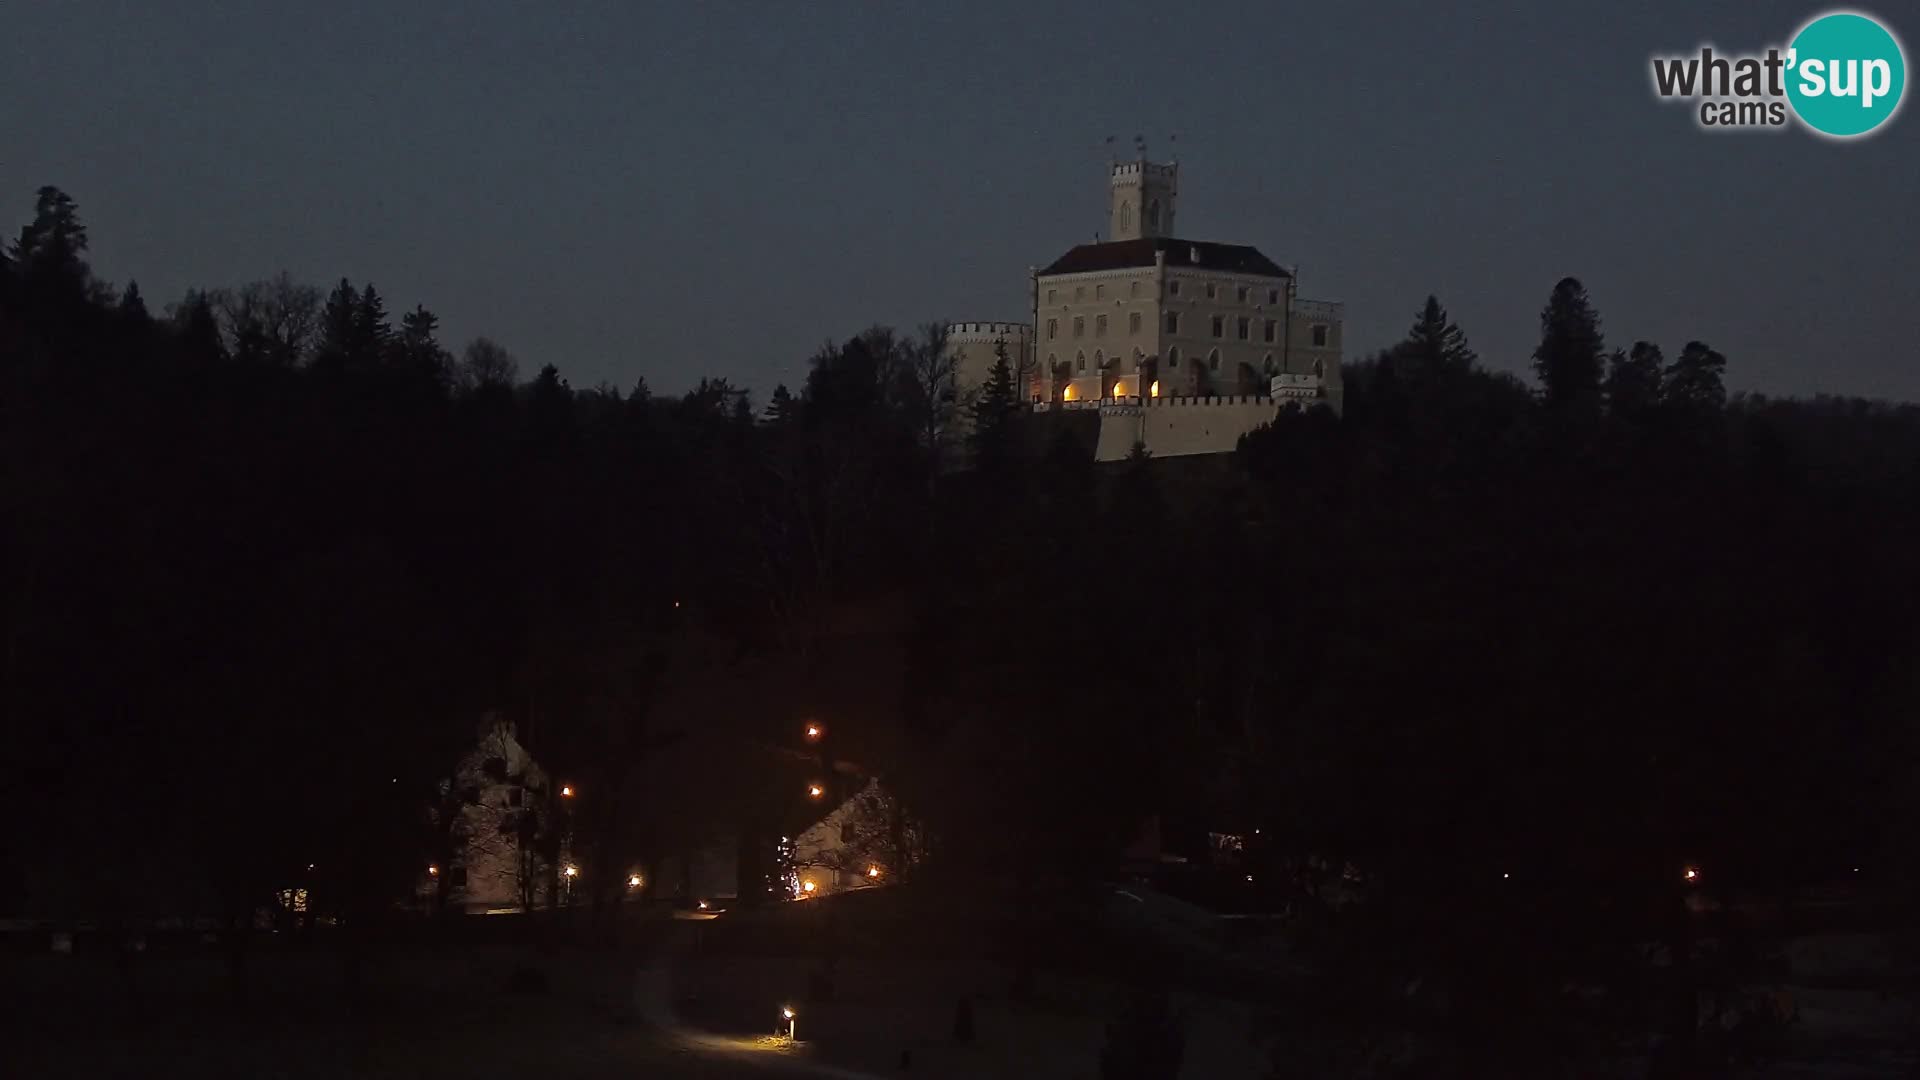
1842, 76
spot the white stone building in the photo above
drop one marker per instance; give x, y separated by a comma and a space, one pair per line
1181, 345
493, 868
859, 845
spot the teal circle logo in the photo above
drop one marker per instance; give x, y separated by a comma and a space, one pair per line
1846, 74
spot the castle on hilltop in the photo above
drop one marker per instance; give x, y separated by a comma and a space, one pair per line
1181, 345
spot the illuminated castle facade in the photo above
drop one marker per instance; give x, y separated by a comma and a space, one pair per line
1181, 345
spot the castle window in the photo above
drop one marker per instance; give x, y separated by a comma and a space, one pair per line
1211, 291
1267, 364
1319, 369
1052, 295
1320, 335
1153, 214
1173, 322
1053, 328
1242, 328
1133, 322
1099, 326
1126, 216
1133, 289
1273, 296
1079, 326
1080, 361
1213, 360
1079, 292
1241, 294
1219, 326
1099, 292
1267, 332
1053, 364
1173, 358
1173, 287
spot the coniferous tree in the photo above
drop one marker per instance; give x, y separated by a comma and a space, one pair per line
419, 348
781, 407
993, 412
1570, 355
335, 349
1436, 347
1693, 381
133, 309
1633, 380
371, 331
54, 244
199, 328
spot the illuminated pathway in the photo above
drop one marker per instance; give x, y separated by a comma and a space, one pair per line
653, 1001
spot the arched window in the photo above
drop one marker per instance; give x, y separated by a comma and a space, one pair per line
1153, 214
1126, 216
1267, 365
1080, 361
1319, 369
1099, 359
1053, 363
1213, 360
1173, 358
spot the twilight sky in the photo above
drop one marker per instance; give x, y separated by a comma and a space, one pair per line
686, 189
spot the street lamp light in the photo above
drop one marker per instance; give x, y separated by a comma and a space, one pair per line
814, 791
792, 1020
432, 870
573, 871
873, 871
633, 881
807, 887
566, 791
814, 731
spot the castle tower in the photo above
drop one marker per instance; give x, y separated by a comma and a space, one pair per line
1143, 198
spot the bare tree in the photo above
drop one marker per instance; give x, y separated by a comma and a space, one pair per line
271, 320
486, 362
930, 389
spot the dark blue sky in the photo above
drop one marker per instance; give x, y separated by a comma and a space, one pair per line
684, 189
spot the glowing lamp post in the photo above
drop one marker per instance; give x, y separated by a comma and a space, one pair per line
433, 871
566, 791
1692, 876
814, 732
633, 881
806, 889
793, 1022
873, 871
814, 791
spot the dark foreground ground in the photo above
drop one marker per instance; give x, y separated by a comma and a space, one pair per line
874, 981
423, 1011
